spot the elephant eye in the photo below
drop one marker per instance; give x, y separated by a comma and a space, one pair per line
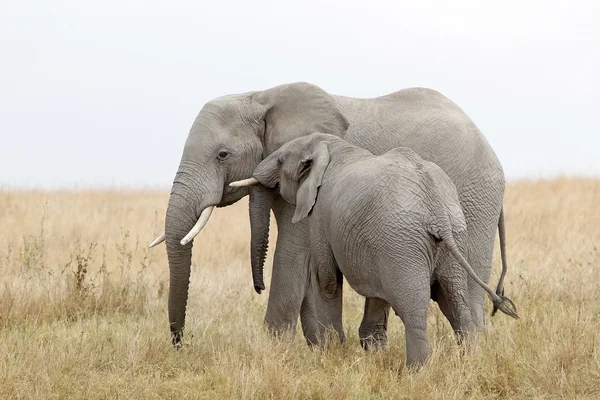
223, 154
280, 160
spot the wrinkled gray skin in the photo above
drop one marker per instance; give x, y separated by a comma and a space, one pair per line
230, 136
391, 224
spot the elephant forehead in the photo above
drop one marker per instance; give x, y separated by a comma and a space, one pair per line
213, 119
289, 165
291, 152
294, 146
205, 141
213, 129
228, 112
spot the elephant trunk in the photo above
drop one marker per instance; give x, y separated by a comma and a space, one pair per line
186, 203
261, 200
177, 224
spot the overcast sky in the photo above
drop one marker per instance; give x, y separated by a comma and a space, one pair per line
105, 92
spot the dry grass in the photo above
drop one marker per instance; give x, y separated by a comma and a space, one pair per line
83, 310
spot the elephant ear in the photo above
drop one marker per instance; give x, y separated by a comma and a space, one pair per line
312, 168
298, 109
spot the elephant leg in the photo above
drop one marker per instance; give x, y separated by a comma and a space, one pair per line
373, 328
294, 291
482, 222
323, 301
438, 296
290, 278
410, 304
321, 312
407, 290
451, 295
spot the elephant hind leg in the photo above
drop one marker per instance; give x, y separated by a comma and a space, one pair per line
451, 296
408, 292
412, 310
482, 218
373, 328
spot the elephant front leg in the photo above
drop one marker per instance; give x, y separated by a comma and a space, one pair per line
322, 307
289, 279
373, 328
322, 312
288, 285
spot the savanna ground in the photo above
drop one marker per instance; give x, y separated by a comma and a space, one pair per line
83, 309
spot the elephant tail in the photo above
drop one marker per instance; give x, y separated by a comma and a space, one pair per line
501, 302
502, 236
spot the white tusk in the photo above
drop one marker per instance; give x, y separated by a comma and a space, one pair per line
244, 182
158, 240
204, 216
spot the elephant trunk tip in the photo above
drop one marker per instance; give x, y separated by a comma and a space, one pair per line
259, 287
176, 339
257, 269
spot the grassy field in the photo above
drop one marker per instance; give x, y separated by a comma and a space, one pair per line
83, 310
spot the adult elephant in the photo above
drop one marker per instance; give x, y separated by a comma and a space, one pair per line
231, 135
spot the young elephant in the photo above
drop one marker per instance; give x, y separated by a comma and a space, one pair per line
392, 224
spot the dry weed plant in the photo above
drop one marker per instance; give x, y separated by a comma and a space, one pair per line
83, 309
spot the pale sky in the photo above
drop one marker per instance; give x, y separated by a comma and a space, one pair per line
104, 93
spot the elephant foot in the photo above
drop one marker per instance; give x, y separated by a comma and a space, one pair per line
373, 328
280, 330
326, 338
374, 342
470, 344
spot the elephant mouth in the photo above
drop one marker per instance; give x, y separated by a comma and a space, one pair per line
231, 196
277, 189
198, 226
226, 203
228, 198
202, 220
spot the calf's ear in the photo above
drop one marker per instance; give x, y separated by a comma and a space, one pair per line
311, 168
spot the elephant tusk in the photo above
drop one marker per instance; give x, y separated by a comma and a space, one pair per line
158, 240
204, 216
244, 182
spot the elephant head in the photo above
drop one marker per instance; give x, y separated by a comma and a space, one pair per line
227, 140
297, 168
